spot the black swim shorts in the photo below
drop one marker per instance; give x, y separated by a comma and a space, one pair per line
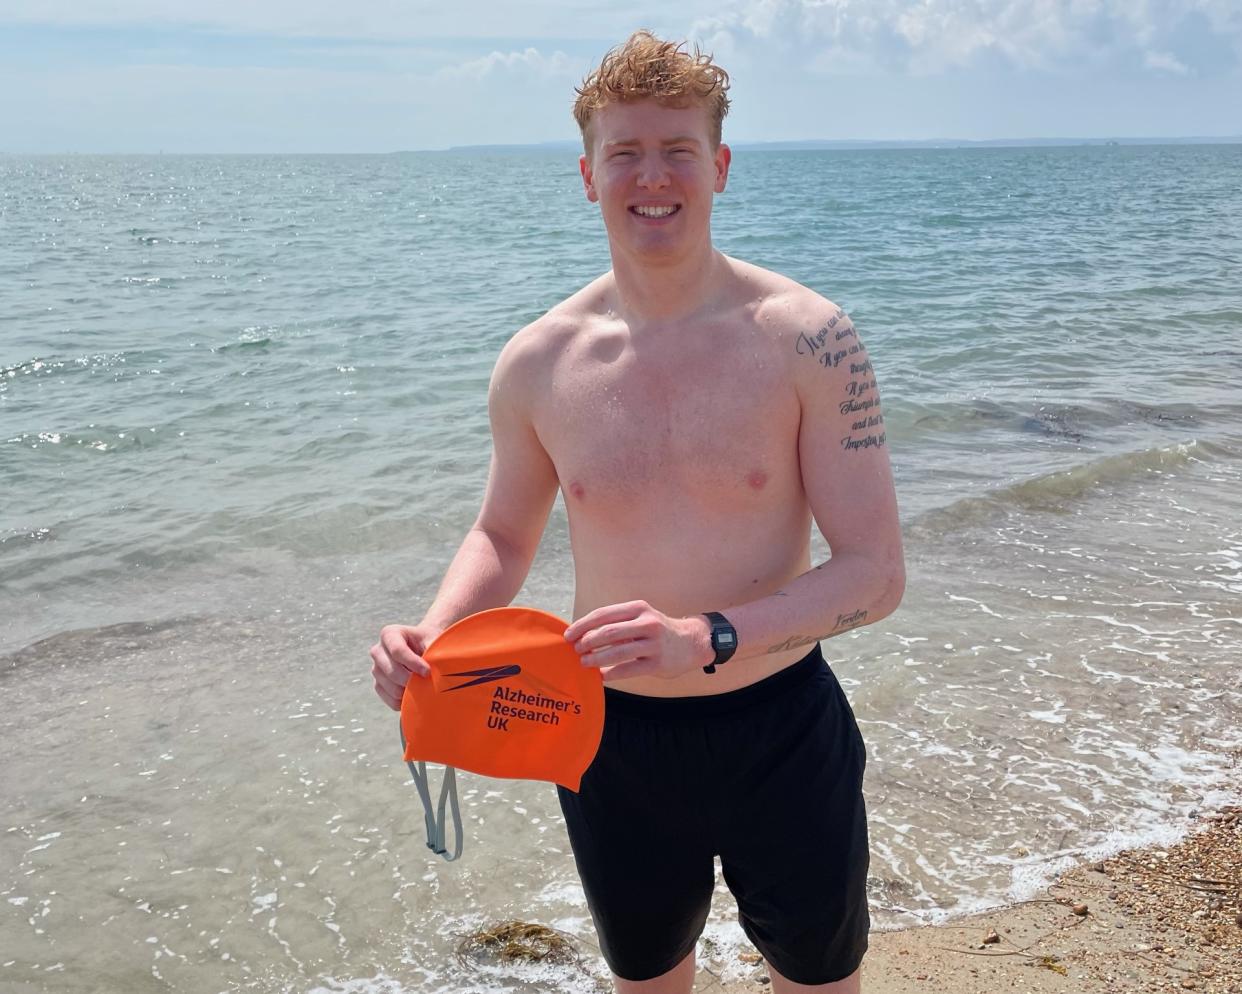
768, 778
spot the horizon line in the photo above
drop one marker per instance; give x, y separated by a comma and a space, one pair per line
778, 144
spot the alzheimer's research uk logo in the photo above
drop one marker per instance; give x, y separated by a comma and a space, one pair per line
489, 674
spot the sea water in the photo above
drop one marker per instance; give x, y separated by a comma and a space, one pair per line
243, 425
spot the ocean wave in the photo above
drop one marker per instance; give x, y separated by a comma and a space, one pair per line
94, 440
54, 384
1072, 422
54, 364
1050, 492
246, 345
55, 558
98, 644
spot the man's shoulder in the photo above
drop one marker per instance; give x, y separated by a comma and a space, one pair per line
537, 347
785, 308
807, 331
542, 337
551, 331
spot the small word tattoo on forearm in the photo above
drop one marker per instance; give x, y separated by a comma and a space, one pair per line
795, 642
844, 623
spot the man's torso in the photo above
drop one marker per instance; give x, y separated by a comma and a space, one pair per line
676, 449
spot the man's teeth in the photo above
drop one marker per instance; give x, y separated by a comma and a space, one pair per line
654, 211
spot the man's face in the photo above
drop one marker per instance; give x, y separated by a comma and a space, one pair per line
653, 171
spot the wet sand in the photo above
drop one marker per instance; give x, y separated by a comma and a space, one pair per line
1144, 921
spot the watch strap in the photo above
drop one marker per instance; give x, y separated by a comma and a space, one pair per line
724, 639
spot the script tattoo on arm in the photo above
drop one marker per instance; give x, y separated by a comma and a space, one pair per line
837, 343
844, 623
862, 405
825, 345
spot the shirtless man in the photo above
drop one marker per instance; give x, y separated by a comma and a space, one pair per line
696, 412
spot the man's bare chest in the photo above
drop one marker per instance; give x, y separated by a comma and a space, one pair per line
627, 435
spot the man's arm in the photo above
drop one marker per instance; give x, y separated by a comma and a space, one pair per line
495, 556
843, 457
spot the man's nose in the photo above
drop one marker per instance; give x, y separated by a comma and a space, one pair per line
654, 174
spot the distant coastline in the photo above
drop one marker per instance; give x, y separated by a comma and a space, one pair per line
796, 145
806, 145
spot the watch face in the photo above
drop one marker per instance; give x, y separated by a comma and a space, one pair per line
724, 639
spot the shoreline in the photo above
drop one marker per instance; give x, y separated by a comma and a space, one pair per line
1154, 919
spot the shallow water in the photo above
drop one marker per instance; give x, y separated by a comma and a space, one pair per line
242, 425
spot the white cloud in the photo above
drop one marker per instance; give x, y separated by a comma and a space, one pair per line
407, 74
930, 36
143, 108
236, 109
420, 20
531, 60
1165, 61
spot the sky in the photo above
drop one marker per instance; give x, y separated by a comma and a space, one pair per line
389, 75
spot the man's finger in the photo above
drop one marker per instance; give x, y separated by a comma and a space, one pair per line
399, 652
388, 691
603, 616
611, 655
605, 635
419, 667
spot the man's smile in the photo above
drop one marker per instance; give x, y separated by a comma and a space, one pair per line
655, 210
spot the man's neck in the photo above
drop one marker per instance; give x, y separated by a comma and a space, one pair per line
668, 291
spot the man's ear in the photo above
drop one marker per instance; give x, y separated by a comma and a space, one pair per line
588, 179
723, 157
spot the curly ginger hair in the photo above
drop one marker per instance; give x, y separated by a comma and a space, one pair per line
648, 68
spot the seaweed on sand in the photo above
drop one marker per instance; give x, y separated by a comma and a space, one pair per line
517, 941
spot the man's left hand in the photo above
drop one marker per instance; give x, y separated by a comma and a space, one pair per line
634, 639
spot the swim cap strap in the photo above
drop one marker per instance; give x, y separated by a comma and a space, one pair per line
436, 823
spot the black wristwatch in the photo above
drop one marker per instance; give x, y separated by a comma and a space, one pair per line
724, 640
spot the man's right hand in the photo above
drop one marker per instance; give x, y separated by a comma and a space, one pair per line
396, 657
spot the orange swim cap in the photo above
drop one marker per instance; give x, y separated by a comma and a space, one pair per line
507, 697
